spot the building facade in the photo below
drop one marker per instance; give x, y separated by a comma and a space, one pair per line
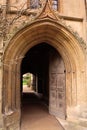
57, 29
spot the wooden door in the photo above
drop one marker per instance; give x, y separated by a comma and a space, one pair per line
56, 85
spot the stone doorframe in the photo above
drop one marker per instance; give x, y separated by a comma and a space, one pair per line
58, 36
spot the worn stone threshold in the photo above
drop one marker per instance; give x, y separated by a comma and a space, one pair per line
71, 124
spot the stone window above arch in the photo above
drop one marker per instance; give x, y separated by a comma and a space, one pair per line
55, 4
34, 4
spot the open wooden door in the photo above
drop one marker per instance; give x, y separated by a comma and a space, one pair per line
56, 85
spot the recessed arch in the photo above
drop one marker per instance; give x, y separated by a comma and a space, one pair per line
59, 37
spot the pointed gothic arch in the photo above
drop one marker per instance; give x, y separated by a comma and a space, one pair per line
55, 34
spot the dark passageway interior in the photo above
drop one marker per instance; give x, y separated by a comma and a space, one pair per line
35, 101
36, 61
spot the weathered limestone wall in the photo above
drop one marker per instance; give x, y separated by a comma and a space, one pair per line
19, 4
73, 12
75, 16
73, 8
2, 1
77, 26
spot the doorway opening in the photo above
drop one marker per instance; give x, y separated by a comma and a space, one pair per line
28, 83
43, 80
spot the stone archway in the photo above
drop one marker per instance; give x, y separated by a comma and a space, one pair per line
48, 67
56, 35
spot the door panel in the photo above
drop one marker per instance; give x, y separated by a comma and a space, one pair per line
57, 85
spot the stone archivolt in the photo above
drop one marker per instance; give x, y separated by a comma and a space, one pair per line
47, 27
